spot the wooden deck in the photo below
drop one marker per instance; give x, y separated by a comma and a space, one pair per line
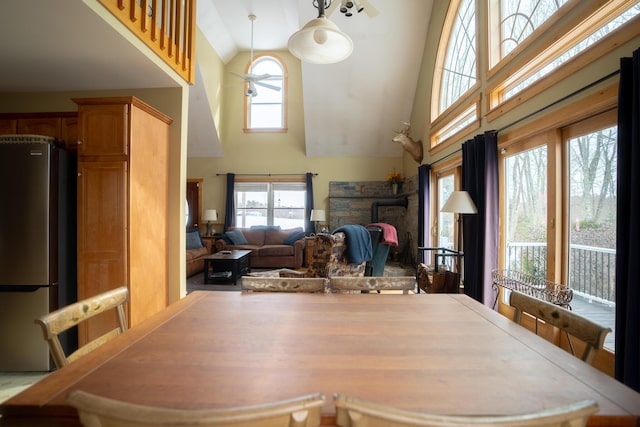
598, 312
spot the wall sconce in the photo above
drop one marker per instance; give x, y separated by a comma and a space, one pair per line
317, 216
210, 215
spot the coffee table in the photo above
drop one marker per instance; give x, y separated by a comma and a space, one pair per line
223, 267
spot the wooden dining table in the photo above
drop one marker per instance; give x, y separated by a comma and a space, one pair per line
437, 353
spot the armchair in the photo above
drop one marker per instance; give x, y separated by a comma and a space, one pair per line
328, 259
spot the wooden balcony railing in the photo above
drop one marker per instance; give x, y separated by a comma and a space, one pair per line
166, 26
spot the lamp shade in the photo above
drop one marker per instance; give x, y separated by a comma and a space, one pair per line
460, 202
320, 42
210, 215
318, 215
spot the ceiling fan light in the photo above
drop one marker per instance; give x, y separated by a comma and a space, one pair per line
320, 41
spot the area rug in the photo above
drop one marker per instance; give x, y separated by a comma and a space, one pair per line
196, 283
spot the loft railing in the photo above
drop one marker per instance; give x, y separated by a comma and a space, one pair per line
592, 269
166, 26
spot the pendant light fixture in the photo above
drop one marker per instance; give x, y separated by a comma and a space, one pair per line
320, 41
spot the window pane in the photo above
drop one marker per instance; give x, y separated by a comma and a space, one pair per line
520, 18
279, 203
266, 116
574, 50
592, 225
526, 212
266, 109
459, 73
445, 219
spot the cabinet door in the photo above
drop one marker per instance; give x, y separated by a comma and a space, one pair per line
103, 130
47, 126
102, 241
8, 126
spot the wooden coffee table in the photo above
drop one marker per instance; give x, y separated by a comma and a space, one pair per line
224, 267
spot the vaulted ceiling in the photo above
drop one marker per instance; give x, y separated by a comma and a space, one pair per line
350, 108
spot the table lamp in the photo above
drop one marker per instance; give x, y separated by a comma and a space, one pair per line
210, 215
459, 203
317, 216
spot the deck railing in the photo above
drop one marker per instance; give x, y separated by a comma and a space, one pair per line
166, 26
591, 269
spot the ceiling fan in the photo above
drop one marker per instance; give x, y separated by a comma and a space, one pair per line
252, 79
348, 7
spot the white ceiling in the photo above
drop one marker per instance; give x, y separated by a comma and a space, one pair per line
350, 108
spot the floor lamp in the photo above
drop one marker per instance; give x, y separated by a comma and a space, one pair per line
459, 203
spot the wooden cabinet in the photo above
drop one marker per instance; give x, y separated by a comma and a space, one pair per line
62, 126
123, 165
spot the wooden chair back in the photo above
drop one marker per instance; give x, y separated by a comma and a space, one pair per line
67, 317
374, 283
282, 284
353, 412
573, 324
96, 411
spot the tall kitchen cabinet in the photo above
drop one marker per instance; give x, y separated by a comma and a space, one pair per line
123, 149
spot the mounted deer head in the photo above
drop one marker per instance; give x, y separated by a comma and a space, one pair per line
408, 144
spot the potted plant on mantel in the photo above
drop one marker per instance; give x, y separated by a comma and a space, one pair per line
395, 180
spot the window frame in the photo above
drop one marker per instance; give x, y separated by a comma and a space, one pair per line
285, 97
270, 183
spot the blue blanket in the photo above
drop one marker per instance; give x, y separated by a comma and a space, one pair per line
358, 241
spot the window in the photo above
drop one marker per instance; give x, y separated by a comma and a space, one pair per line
270, 203
572, 45
455, 75
266, 110
559, 212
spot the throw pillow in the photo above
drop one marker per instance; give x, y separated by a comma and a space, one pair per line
294, 237
236, 237
193, 239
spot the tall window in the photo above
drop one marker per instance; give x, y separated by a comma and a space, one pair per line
266, 110
270, 203
559, 213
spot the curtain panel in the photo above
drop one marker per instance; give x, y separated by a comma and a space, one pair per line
424, 227
230, 208
480, 233
309, 227
627, 356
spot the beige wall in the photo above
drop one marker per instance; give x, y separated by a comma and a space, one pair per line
274, 153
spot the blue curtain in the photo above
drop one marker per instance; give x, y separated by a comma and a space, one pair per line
480, 232
230, 208
309, 227
424, 173
627, 357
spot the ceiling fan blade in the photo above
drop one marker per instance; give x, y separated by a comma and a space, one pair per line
256, 77
334, 5
242, 76
369, 9
268, 86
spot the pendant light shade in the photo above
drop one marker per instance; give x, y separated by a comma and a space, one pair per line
320, 42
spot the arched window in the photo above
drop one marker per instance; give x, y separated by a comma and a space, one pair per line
266, 99
456, 74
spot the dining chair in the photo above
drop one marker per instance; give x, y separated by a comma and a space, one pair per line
282, 284
370, 283
58, 321
98, 411
572, 324
354, 412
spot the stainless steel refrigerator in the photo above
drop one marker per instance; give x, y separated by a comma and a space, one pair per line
37, 246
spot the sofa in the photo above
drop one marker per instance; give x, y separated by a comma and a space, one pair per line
271, 247
197, 249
